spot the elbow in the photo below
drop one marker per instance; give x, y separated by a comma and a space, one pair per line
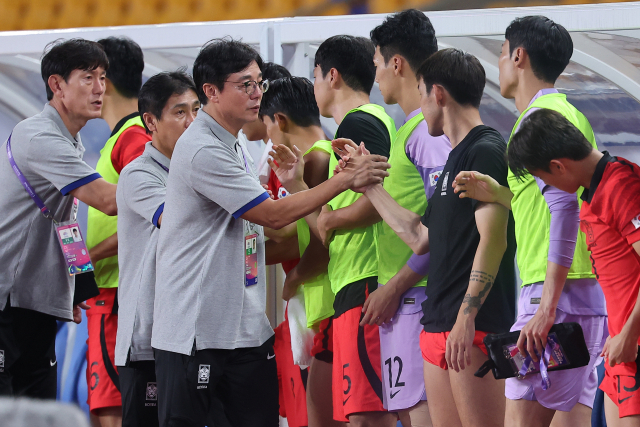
420, 248
110, 207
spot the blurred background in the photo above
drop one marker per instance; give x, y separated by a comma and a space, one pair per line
50, 14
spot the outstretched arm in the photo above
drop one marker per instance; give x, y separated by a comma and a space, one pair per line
405, 223
491, 220
105, 249
481, 187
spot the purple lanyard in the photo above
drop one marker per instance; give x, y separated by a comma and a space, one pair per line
23, 180
161, 165
543, 365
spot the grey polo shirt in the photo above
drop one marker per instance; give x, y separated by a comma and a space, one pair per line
34, 272
200, 287
140, 196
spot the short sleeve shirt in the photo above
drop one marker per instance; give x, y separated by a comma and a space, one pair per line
454, 239
610, 219
201, 295
140, 196
34, 271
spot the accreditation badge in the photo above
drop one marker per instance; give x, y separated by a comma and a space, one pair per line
250, 254
74, 249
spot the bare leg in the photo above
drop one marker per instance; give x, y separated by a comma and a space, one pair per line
528, 413
580, 415
480, 401
319, 401
373, 419
107, 417
416, 416
442, 407
612, 415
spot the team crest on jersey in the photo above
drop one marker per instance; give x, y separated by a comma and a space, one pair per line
636, 222
203, 374
1, 358
433, 178
282, 192
152, 391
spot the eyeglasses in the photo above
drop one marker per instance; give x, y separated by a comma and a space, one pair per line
251, 86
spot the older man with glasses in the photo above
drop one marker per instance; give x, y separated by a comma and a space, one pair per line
211, 336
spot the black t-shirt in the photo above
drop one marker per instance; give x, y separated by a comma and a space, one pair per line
364, 127
359, 126
454, 238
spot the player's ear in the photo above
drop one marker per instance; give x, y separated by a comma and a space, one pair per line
557, 167
282, 120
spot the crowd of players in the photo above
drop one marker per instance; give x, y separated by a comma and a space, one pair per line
178, 334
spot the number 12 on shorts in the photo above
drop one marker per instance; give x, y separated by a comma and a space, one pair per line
390, 364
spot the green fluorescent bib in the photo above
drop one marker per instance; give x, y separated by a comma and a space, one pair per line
353, 253
405, 185
318, 297
530, 210
101, 226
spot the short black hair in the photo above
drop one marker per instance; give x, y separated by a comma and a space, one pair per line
548, 45
352, 57
218, 59
61, 57
460, 73
126, 63
543, 136
408, 33
293, 97
158, 89
272, 71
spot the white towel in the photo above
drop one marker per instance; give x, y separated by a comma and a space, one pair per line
301, 336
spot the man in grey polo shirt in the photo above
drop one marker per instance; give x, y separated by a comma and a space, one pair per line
168, 104
35, 286
210, 332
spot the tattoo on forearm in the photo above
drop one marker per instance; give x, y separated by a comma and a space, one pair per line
476, 301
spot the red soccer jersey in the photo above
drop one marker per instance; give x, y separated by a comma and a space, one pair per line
129, 146
279, 192
610, 219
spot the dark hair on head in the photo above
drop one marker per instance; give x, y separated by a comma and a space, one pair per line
218, 59
126, 63
158, 89
352, 57
272, 71
548, 45
543, 136
293, 97
409, 34
62, 57
460, 73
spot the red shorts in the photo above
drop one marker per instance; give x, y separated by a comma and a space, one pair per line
622, 384
357, 377
434, 345
292, 381
103, 382
323, 341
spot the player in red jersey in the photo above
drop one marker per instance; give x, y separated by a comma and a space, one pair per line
550, 147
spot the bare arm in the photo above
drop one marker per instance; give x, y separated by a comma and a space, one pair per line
623, 347
312, 263
491, 220
275, 252
361, 213
383, 303
481, 187
105, 249
405, 223
282, 234
98, 194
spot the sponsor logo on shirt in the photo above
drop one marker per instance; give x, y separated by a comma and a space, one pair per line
152, 391
433, 178
444, 184
636, 222
203, 374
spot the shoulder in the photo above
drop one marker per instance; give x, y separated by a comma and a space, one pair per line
137, 171
135, 132
427, 150
360, 118
488, 141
